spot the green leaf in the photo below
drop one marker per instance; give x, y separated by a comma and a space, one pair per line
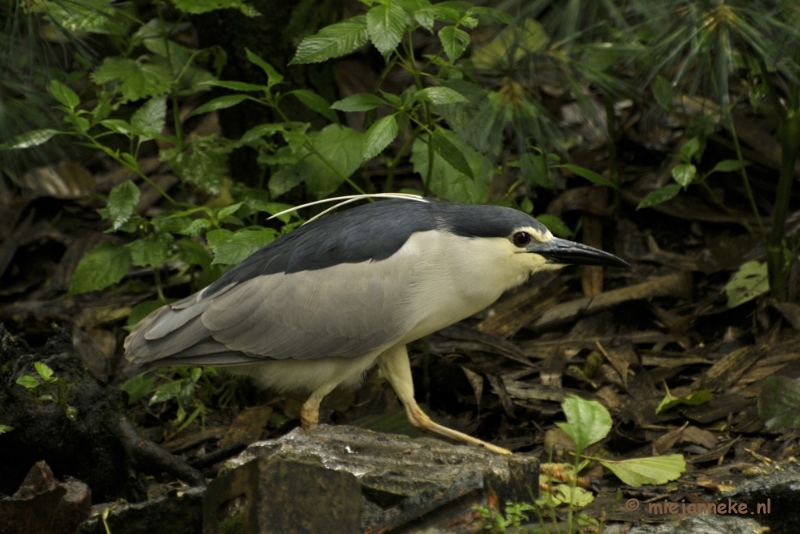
30, 139
138, 386
196, 7
165, 392
440, 95
151, 117
590, 175
333, 41
236, 86
452, 155
122, 203
104, 265
120, 126
587, 421
447, 182
341, 148
648, 471
315, 103
204, 163
359, 102
385, 26
273, 76
697, 398
227, 211
779, 402
231, 248
153, 250
193, 253
44, 371
659, 195
5, 429
535, 170
64, 94
662, 91
454, 42
684, 173
134, 79
28, 382
690, 149
257, 132
379, 136
729, 165
221, 102
555, 225
749, 282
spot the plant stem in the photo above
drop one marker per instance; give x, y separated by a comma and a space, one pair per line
776, 260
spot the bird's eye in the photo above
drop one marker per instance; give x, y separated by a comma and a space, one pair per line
521, 239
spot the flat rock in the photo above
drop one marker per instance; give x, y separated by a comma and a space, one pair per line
340, 479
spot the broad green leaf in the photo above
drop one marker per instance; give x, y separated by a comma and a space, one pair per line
730, 165
359, 102
555, 225
227, 211
333, 41
44, 370
273, 76
28, 382
120, 126
151, 117
749, 282
341, 148
196, 7
138, 386
577, 497
262, 130
29, 139
64, 94
490, 15
697, 398
779, 402
315, 103
5, 429
652, 471
134, 79
221, 102
385, 25
379, 136
104, 265
193, 253
454, 42
440, 95
587, 421
154, 250
167, 391
203, 164
690, 149
448, 183
590, 175
122, 203
684, 173
662, 92
659, 195
231, 248
444, 147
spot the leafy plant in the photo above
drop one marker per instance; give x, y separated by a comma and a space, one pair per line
779, 402
49, 388
588, 422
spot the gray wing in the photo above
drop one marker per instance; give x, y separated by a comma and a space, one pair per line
345, 310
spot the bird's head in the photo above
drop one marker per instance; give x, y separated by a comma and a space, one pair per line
549, 251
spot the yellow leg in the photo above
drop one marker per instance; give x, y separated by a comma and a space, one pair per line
309, 413
395, 365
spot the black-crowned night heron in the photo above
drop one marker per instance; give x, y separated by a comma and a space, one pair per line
320, 306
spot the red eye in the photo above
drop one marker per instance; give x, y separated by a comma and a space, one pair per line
521, 239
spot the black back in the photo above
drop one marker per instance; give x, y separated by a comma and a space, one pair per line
371, 232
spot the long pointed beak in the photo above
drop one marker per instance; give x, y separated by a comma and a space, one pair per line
570, 253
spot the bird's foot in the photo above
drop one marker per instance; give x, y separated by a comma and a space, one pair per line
419, 419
